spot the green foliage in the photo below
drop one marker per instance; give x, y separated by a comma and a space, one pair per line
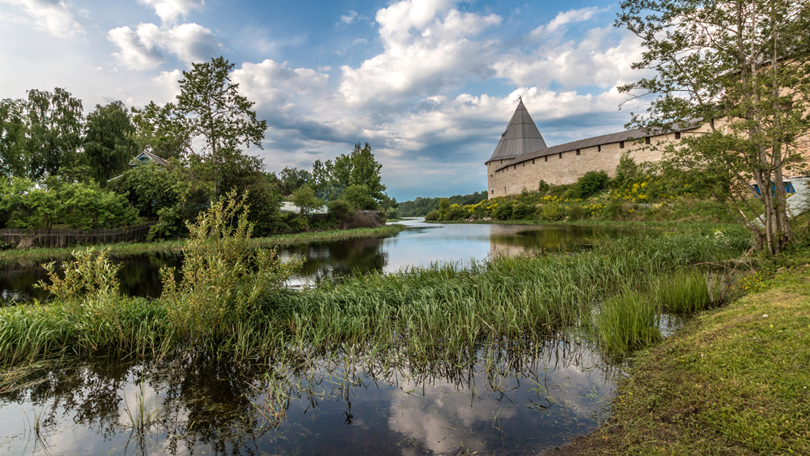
91, 274
360, 167
290, 179
218, 120
589, 184
627, 171
41, 136
627, 322
108, 143
503, 211
76, 205
340, 209
360, 197
304, 197
159, 131
522, 211
542, 187
683, 292
421, 206
552, 212
224, 276
432, 216
148, 188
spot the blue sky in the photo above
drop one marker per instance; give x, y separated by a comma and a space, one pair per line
430, 84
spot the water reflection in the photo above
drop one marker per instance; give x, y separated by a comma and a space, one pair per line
421, 244
504, 401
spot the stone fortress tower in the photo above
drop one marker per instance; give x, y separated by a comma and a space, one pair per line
522, 159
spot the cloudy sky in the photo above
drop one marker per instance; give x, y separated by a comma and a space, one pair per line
431, 84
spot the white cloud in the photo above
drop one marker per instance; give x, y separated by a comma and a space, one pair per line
269, 81
169, 10
426, 45
568, 17
145, 47
53, 16
602, 58
169, 81
349, 18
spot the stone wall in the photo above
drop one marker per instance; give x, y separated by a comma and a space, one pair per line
568, 166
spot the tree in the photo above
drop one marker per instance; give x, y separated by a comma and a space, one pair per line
357, 168
742, 67
359, 196
305, 199
158, 130
41, 136
108, 141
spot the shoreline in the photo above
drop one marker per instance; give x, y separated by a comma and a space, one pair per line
176, 246
732, 380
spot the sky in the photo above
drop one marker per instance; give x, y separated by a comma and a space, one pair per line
430, 84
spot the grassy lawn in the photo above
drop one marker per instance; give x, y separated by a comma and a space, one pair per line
734, 380
125, 248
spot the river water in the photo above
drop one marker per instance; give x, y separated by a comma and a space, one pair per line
500, 401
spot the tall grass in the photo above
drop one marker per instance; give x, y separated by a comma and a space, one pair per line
231, 304
683, 291
627, 321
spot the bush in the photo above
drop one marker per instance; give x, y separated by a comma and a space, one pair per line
340, 209
455, 212
589, 184
542, 187
299, 224
361, 219
575, 211
503, 211
552, 212
432, 216
522, 211
359, 197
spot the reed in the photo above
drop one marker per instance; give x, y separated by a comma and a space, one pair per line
231, 304
683, 291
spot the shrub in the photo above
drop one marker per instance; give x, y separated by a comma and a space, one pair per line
503, 211
522, 211
361, 219
575, 211
552, 212
340, 209
224, 278
542, 187
589, 184
558, 190
359, 197
454, 212
432, 216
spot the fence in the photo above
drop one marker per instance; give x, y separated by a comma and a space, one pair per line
62, 238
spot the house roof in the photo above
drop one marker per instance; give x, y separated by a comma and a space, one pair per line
152, 157
521, 137
628, 135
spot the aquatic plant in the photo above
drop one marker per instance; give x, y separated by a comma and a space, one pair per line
627, 321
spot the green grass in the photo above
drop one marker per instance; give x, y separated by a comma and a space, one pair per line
439, 312
627, 321
124, 248
733, 381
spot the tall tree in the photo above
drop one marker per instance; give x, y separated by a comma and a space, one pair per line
742, 67
359, 167
158, 130
54, 138
108, 141
13, 156
218, 120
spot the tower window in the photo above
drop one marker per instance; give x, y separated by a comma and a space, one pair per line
577, 151
524, 164
647, 140
677, 135
599, 148
560, 154
532, 161
491, 175
621, 144
546, 157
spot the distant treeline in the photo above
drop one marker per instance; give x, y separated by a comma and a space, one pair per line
421, 206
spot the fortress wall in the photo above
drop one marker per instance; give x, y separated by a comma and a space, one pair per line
566, 170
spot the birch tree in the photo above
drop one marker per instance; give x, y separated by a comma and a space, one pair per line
740, 66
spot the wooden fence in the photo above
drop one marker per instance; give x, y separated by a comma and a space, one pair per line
63, 238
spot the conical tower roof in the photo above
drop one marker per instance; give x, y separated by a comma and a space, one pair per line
521, 137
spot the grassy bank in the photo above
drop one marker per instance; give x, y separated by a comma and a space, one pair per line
734, 380
124, 248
